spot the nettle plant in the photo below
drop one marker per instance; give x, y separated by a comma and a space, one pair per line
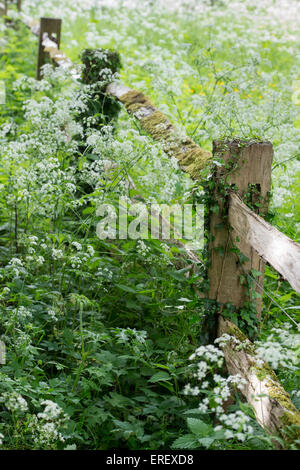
74, 309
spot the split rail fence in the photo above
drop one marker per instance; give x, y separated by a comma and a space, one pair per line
246, 230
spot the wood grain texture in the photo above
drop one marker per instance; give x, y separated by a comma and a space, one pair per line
50, 28
251, 165
5, 4
271, 403
3, 8
273, 246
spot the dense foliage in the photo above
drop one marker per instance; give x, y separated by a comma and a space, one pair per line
99, 334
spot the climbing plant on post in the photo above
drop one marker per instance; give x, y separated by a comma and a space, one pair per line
243, 170
236, 271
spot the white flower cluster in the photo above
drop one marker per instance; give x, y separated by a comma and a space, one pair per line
47, 424
209, 353
16, 267
105, 273
235, 342
216, 390
77, 245
17, 318
47, 434
143, 249
22, 314
236, 425
15, 403
57, 254
52, 410
52, 315
125, 335
189, 390
82, 256
210, 357
281, 348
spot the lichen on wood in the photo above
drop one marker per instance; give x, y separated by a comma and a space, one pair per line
272, 405
191, 158
134, 100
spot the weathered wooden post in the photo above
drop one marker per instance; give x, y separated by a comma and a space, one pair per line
49, 28
3, 8
247, 170
5, 3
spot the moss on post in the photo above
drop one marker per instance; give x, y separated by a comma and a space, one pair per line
271, 404
191, 158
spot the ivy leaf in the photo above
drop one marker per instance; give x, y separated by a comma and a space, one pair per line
215, 209
255, 273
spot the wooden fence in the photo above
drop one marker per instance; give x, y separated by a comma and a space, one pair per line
246, 169
4, 5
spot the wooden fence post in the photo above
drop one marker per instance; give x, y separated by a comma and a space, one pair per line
247, 169
5, 3
3, 8
51, 28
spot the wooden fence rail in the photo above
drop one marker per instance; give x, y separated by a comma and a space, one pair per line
273, 246
254, 237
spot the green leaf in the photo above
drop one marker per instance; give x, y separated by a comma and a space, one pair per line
88, 210
185, 442
198, 427
126, 288
160, 377
193, 411
255, 273
206, 441
168, 386
215, 209
179, 276
162, 366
